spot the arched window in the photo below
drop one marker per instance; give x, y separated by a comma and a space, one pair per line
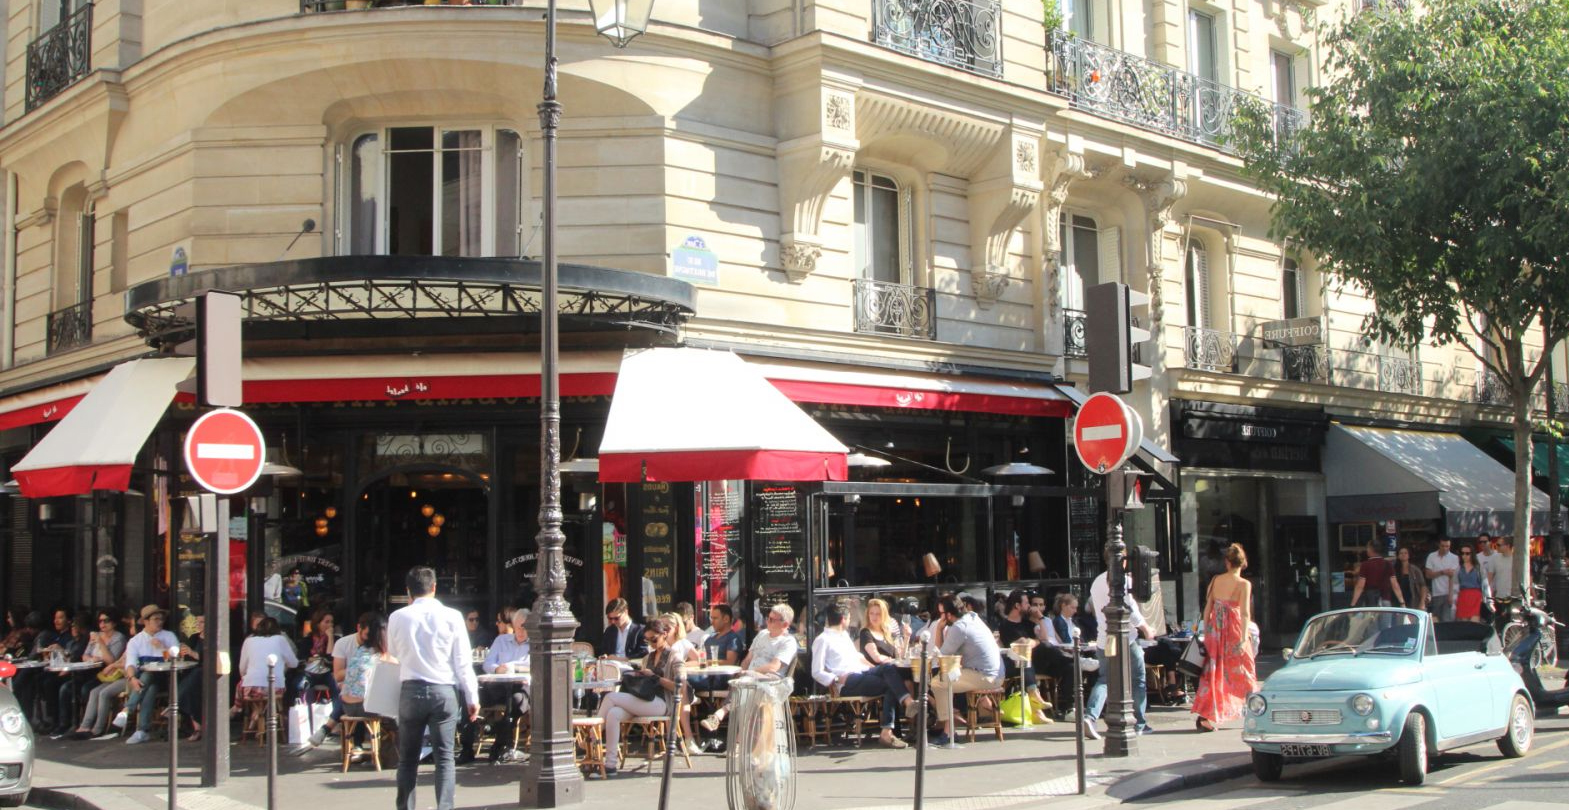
1292, 303
433, 191
71, 311
881, 230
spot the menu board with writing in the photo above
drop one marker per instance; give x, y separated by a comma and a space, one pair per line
656, 539
779, 536
720, 507
1084, 535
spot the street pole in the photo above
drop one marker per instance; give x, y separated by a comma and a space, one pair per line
215, 655
272, 733
1557, 579
174, 726
1078, 710
920, 725
551, 778
1121, 736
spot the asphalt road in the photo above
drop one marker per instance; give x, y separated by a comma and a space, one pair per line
1474, 778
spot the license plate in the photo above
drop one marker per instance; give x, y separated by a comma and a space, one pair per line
1304, 750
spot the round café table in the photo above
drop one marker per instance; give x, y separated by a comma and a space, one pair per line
712, 669
29, 664
79, 666
165, 666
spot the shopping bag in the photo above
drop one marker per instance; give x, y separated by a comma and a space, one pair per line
382, 688
304, 720
1016, 707
1191, 663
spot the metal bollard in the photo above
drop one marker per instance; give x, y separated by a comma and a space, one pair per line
174, 726
272, 734
671, 738
920, 726
1078, 711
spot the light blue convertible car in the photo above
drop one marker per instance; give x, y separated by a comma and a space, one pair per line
1375, 680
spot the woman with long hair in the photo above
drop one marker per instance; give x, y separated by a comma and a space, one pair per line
1471, 579
353, 658
316, 652
618, 707
881, 639
1229, 675
1412, 582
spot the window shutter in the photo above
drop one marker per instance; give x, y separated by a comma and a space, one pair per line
1202, 265
1108, 244
1196, 286
340, 199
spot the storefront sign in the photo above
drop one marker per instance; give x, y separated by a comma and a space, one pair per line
655, 527
1293, 332
720, 533
694, 262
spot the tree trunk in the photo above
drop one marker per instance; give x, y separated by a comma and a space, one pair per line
1521, 406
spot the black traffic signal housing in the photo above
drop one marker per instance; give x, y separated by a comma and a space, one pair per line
1110, 335
1144, 564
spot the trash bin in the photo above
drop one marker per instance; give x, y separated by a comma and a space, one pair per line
760, 751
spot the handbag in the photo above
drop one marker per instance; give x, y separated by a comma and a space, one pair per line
106, 676
640, 686
1191, 662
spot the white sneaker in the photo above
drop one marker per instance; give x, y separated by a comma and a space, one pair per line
317, 737
138, 738
107, 735
1089, 729
693, 748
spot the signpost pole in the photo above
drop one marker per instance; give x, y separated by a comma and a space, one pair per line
1121, 735
214, 656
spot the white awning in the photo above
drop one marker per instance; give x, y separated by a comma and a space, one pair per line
95, 445
699, 415
1374, 474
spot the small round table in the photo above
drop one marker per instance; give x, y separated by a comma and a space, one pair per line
506, 677
166, 666
711, 669
29, 664
79, 666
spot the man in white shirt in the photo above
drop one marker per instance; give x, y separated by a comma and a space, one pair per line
1504, 584
1442, 568
152, 645
771, 654
836, 661
436, 669
1486, 558
1100, 597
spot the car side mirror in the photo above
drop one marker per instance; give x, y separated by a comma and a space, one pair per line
1286, 653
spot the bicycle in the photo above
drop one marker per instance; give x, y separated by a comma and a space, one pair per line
1513, 619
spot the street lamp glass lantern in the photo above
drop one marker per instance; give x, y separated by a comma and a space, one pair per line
621, 21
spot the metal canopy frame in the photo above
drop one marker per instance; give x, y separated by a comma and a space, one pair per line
353, 290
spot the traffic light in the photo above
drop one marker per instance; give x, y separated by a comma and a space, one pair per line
1144, 564
1110, 335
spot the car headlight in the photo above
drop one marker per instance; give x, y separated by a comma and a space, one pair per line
11, 722
1256, 704
1362, 704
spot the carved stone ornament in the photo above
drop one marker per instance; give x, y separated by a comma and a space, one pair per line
799, 259
988, 284
1024, 157
1001, 197
1066, 169
1159, 195
839, 112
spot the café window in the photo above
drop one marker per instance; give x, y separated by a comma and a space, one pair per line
433, 191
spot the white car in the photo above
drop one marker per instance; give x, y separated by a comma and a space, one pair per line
16, 745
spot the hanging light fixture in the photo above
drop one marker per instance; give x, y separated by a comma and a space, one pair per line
278, 465
433, 530
1016, 468
331, 512
438, 520
321, 531
621, 21
427, 510
321, 523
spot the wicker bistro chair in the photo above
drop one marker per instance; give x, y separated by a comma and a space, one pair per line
588, 734
974, 702
348, 724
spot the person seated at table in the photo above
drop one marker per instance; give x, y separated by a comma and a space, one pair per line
696, 635
153, 645
959, 631
725, 645
623, 638
104, 698
508, 654
836, 662
45, 639
618, 707
268, 640
502, 622
353, 658
1016, 625
315, 650
771, 655
51, 685
1055, 631
190, 691
104, 646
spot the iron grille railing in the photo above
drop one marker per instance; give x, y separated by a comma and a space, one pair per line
59, 57
1150, 95
1490, 388
307, 6
1209, 349
70, 327
885, 308
1073, 326
1305, 363
965, 34
1400, 375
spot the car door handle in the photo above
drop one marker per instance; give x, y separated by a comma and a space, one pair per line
1479, 665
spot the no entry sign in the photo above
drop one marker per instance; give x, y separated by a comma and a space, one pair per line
224, 451
1106, 433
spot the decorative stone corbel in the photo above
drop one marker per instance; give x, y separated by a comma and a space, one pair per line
1006, 191
1159, 195
810, 167
42, 216
1064, 169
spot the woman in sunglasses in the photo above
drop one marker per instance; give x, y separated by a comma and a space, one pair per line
617, 707
1471, 579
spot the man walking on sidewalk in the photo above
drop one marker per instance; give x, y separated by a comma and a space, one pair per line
436, 669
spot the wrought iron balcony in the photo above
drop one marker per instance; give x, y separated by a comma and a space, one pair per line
59, 57
355, 5
1400, 375
1209, 349
69, 328
1490, 389
1305, 364
885, 308
1153, 96
1073, 326
965, 34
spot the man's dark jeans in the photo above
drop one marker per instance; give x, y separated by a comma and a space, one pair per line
882, 681
423, 705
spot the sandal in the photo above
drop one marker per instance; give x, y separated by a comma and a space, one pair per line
1204, 725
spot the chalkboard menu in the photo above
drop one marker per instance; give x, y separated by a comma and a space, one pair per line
656, 539
779, 535
1084, 535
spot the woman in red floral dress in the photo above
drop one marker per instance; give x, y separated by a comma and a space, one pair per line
1228, 676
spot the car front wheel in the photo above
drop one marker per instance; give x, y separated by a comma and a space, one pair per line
1413, 750
1517, 738
1268, 766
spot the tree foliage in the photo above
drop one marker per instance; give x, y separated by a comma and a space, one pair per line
1434, 176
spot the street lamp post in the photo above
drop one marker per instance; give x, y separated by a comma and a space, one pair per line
551, 778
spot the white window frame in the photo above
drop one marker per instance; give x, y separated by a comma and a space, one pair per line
1197, 307
903, 239
1108, 256
1292, 80
1217, 21
488, 226
1291, 272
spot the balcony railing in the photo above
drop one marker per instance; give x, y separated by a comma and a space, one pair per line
1209, 349
1073, 326
1490, 389
885, 308
964, 34
1153, 96
1400, 375
59, 57
70, 327
1305, 364
356, 5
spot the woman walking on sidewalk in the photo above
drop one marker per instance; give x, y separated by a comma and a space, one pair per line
1228, 676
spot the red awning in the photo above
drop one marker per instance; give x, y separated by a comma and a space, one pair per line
848, 385
49, 404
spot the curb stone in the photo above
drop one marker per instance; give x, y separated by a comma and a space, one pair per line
1181, 776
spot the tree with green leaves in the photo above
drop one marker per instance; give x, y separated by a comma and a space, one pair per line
1433, 177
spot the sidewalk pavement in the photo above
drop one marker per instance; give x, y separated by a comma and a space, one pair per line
1029, 767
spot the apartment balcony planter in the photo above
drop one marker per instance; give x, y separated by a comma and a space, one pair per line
885, 308
60, 57
963, 34
69, 328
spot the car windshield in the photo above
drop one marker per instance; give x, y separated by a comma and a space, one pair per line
1359, 632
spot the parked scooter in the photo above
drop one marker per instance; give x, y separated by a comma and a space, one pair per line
1538, 622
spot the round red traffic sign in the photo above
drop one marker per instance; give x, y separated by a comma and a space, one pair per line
224, 451
1106, 432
